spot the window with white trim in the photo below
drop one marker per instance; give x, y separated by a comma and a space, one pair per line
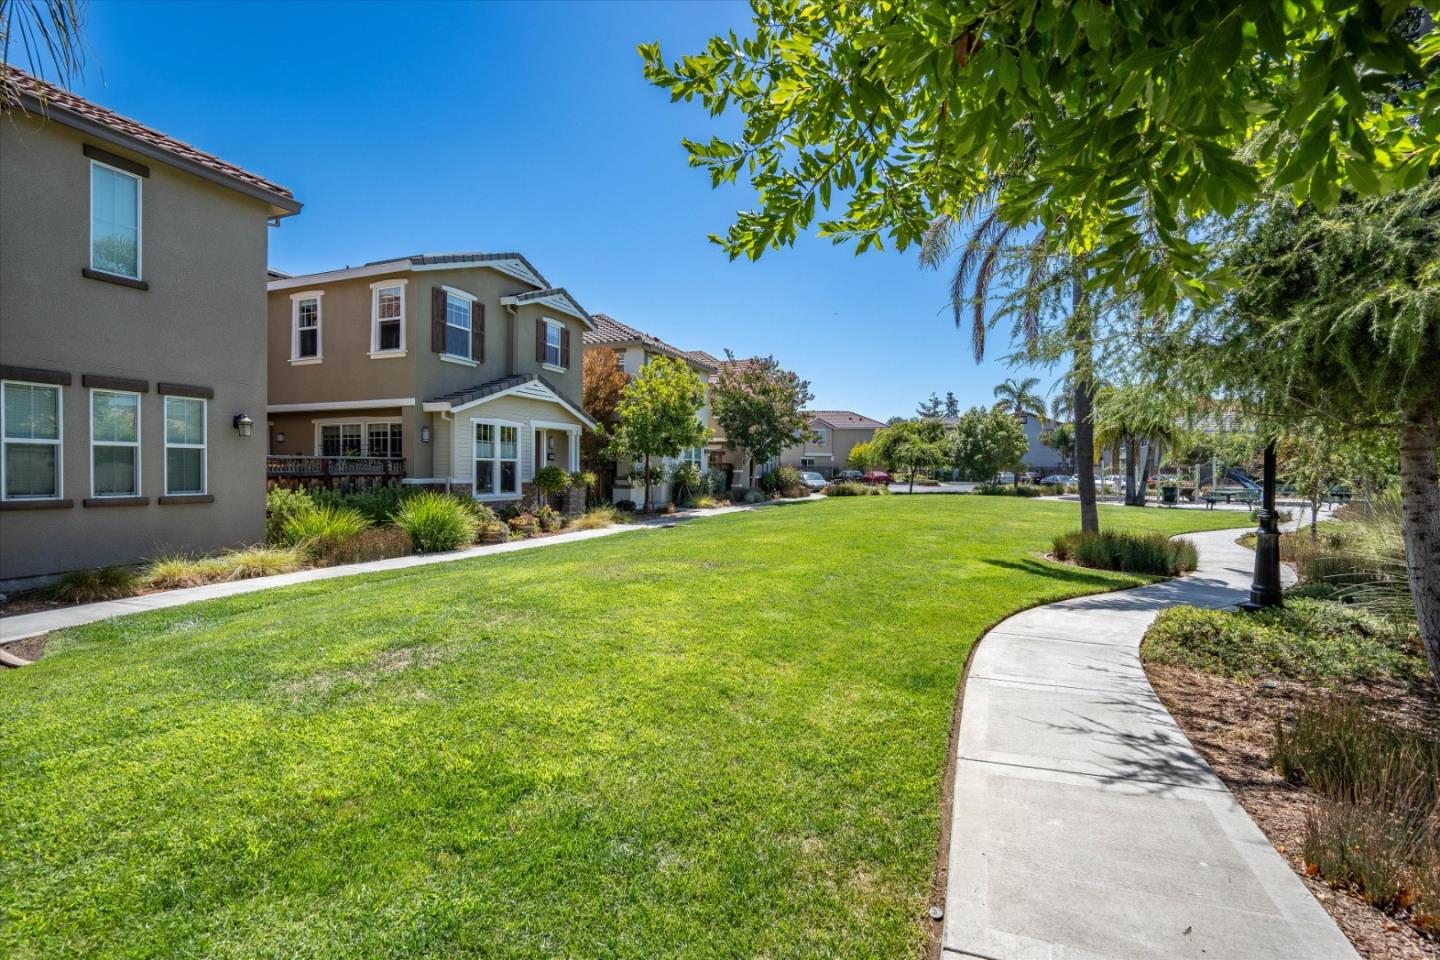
457, 326
114, 443
807, 462
695, 455
821, 440
553, 337
30, 428
361, 438
184, 446
114, 221
305, 341
497, 459
387, 313
382, 440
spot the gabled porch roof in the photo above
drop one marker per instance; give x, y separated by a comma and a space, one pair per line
521, 384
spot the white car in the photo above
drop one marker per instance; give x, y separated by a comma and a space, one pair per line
813, 480
1006, 477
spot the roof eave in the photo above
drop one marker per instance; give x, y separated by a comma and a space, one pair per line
280, 206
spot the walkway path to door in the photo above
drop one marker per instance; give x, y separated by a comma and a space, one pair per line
1084, 824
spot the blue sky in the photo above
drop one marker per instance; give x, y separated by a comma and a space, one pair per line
429, 127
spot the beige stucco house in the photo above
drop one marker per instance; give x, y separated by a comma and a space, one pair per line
635, 348
459, 371
833, 433
132, 340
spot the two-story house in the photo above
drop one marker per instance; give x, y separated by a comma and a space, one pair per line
635, 348
463, 371
132, 340
833, 434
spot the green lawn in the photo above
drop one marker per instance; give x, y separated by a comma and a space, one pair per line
724, 739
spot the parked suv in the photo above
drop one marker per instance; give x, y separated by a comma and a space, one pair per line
852, 476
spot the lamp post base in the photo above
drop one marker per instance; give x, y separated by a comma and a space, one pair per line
1266, 590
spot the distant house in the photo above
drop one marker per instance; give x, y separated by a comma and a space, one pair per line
132, 340
833, 434
1040, 456
460, 371
635, 348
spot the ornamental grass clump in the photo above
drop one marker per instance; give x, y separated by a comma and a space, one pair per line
597, 518
88, 586
321, 527
1151, 553
436, 522
850, 488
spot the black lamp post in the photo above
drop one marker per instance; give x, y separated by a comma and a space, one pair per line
1265, 591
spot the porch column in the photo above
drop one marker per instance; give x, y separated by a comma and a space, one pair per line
574, 448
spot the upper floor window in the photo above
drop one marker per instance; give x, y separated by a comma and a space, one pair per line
554, 344
821, 440
457, 326
305, 343
184, 445
30, 452
114, 444
114, 221
387, 312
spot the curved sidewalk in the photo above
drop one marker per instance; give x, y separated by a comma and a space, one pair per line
1084, 824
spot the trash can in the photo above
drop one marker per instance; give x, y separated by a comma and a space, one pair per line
1170, 494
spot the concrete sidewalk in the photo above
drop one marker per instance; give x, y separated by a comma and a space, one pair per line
1085, 825
23, 625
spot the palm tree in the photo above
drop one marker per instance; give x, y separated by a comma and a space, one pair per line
986, 242
1019, 396
49, 32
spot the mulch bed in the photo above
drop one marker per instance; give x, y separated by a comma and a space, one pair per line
1232, 724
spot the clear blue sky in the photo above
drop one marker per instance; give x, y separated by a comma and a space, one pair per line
417, 127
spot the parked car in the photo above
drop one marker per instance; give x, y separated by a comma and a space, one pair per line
852, 476
812, 480
875, 476
1006, 477
1115, 480
1058, 478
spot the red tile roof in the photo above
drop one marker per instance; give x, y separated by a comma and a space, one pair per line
47, 98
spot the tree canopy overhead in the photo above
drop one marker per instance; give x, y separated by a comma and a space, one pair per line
1109, 125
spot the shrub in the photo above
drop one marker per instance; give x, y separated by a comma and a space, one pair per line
550, 481
481, 513
626, 505
549, 518
88, 586
1008, 490
687, 480
1307, 640
375, 543
436, 522
526, 524
752, 496
704, 502
599, 517
376, 504
1151, 553
850, 488
322, 526
280, 505
258, 561
1378, 832
782, 481
176, 570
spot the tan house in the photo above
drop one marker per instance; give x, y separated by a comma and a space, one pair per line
833, 434
634, 349
132, 340
459, 371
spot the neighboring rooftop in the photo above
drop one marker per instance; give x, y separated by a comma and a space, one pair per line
47, 100
845, 420
511, 264
610, 332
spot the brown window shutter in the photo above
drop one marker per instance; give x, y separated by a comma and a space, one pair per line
565, 347
438, 302
539, 340
477, 332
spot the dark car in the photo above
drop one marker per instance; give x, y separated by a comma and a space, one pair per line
875, 476
850, 475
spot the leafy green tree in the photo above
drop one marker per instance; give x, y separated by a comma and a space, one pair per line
863, 456
1337, 320
952, 405
1127, 119
659, 415
1061, 439
911, 446
987, 442
931, 408
1019, 396
761, 408
1137, 415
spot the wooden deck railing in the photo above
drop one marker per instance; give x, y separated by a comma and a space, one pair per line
335, 473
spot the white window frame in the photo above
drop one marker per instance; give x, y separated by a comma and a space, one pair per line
469, 300
559, 329
807, 463
58, 442
375, 352
203, 446
295, 300
821, 440
139, 415
363, 423
139, 221
519, 460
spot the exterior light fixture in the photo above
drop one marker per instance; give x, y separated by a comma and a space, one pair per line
280, 436
243, 425
424, 434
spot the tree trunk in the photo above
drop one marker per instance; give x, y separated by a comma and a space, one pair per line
912, 478
1132, 466
1420, 523
647, 483
1152, 458
1085, 458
